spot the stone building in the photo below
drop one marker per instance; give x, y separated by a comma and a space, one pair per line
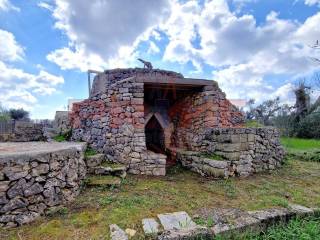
141, 117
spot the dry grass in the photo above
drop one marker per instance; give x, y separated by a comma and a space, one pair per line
139, 197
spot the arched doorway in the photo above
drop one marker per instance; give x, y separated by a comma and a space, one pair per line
154, 136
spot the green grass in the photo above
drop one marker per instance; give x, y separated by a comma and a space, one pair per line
90, 215
59, 138
296, 229
302, 149
300, 144
90, 152
213, 157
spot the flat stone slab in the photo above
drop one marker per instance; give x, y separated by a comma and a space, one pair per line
33, 148
190, 233
176, 220
100, 181
150, 226
300, 210
116, 233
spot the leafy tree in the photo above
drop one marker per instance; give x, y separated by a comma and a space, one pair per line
264, 112
19, 114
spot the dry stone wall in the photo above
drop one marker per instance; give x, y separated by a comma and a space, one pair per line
24, 132
36, 177
228, 152
113, 120
113, 123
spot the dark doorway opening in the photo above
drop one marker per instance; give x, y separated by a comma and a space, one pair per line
154, 136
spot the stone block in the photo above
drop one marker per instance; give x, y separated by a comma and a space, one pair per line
176, 220
150, 226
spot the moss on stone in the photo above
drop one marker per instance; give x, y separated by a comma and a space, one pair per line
103, 181
90, 152
213, 156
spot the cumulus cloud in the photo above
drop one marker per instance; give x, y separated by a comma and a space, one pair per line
17, 87
242, 52
20, 89
76, 58
5, 5
10, 50
105, 28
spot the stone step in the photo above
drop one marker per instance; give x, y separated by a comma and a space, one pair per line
150, 226
176, 220
108, 168
94, 160
101, 181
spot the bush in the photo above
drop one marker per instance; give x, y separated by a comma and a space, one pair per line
309, 127
19, 114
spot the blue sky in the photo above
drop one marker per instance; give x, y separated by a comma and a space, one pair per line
253, 48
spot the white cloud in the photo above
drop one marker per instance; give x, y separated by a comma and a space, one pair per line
46, 6
77, 58
10, 50
5, 5
104, 28
20, 89
312, 2
17, 87
243, 52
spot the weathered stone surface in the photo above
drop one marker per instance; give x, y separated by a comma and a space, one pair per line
176, 220
240, 157
95, 160
40, 175
33, 190
189, 233
116, 233
150, 226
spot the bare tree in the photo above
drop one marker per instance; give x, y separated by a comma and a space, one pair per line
316, 46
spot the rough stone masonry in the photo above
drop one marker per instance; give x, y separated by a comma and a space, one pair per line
36, 176
138, 116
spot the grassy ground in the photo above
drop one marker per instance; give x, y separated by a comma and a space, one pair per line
89, 216
302, 149
300, 144
307, 228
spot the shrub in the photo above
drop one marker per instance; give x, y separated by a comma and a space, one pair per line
309, 127
90, 152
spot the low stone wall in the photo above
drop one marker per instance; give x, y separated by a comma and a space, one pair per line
227, 152
24, 132
37, 176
